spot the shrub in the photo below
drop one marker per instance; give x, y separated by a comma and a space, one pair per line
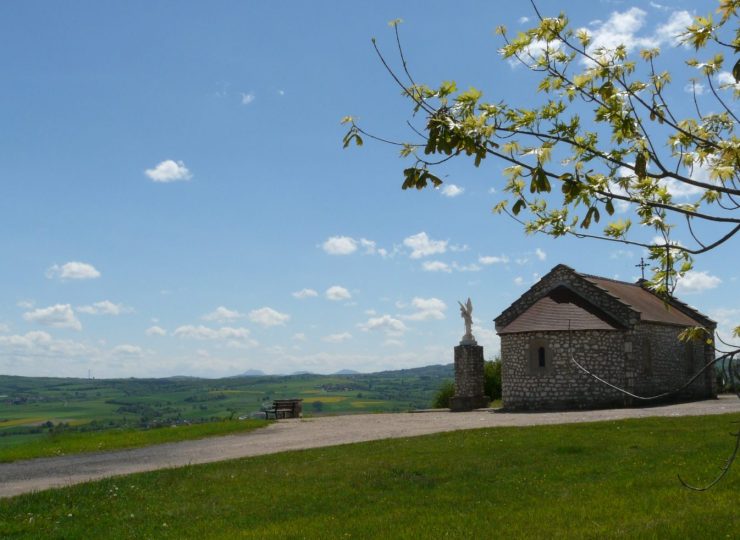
492, 379
443, 395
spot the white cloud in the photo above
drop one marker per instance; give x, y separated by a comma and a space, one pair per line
436, 266
340, 245
451, 190
305, 293
521, 260
523, 20
57, 316
423, 246
615, 188
201, 332
4, 328
493, 259
106, 307
427, 308
128, 350
534, 51
541, 255
155, 331
466, 267
370, 246
33, 345
337, 293
727, 319
247, 98
726, 80
72, 270
621, 254
300, 336
695, 87
519, 280
693, 282
621, 28
346, 245
671, 31
25, 304
387, 324
169, 171
337, 338
26, 341
680, 190
267, 316
222, 314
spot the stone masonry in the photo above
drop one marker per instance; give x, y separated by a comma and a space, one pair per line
469, 378
638, 351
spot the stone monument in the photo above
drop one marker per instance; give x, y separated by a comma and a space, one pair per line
469, 377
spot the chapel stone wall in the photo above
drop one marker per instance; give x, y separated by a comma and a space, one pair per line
664, 363
560, 384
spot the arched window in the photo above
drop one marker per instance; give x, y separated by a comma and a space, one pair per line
540, 356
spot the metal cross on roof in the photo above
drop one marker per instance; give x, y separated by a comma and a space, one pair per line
642, 266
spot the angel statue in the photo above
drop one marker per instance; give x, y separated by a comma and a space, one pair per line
466, 312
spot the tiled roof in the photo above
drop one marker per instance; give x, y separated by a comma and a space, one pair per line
561, 309
650, 307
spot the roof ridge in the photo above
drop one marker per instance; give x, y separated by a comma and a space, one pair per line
634, 284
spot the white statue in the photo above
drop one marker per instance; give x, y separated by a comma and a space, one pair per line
466, 312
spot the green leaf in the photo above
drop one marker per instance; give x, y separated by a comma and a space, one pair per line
609, 207
641, 165
500, 206
518, 205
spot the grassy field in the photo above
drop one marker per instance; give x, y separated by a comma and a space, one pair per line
601, 480
31, 407
64, 443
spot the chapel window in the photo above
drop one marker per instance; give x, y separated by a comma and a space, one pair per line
540, 357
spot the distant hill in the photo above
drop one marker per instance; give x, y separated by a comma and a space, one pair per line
252, 373
434, 371
113, 403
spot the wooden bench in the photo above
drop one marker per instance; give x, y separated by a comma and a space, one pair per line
287, 408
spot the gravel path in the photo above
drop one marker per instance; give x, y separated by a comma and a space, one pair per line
44, 473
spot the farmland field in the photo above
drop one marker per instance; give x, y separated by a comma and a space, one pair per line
32, 408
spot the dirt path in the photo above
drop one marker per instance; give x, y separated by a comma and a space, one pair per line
44, 473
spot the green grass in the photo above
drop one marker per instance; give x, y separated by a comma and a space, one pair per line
47, 444
600, 480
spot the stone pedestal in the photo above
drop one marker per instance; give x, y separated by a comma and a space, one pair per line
468, 379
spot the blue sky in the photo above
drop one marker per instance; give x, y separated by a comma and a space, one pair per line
174, 198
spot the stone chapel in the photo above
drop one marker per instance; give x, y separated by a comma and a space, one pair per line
621, 332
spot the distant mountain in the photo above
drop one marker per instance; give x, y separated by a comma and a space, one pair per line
252, 373
301, 373
437, 370
347, 372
